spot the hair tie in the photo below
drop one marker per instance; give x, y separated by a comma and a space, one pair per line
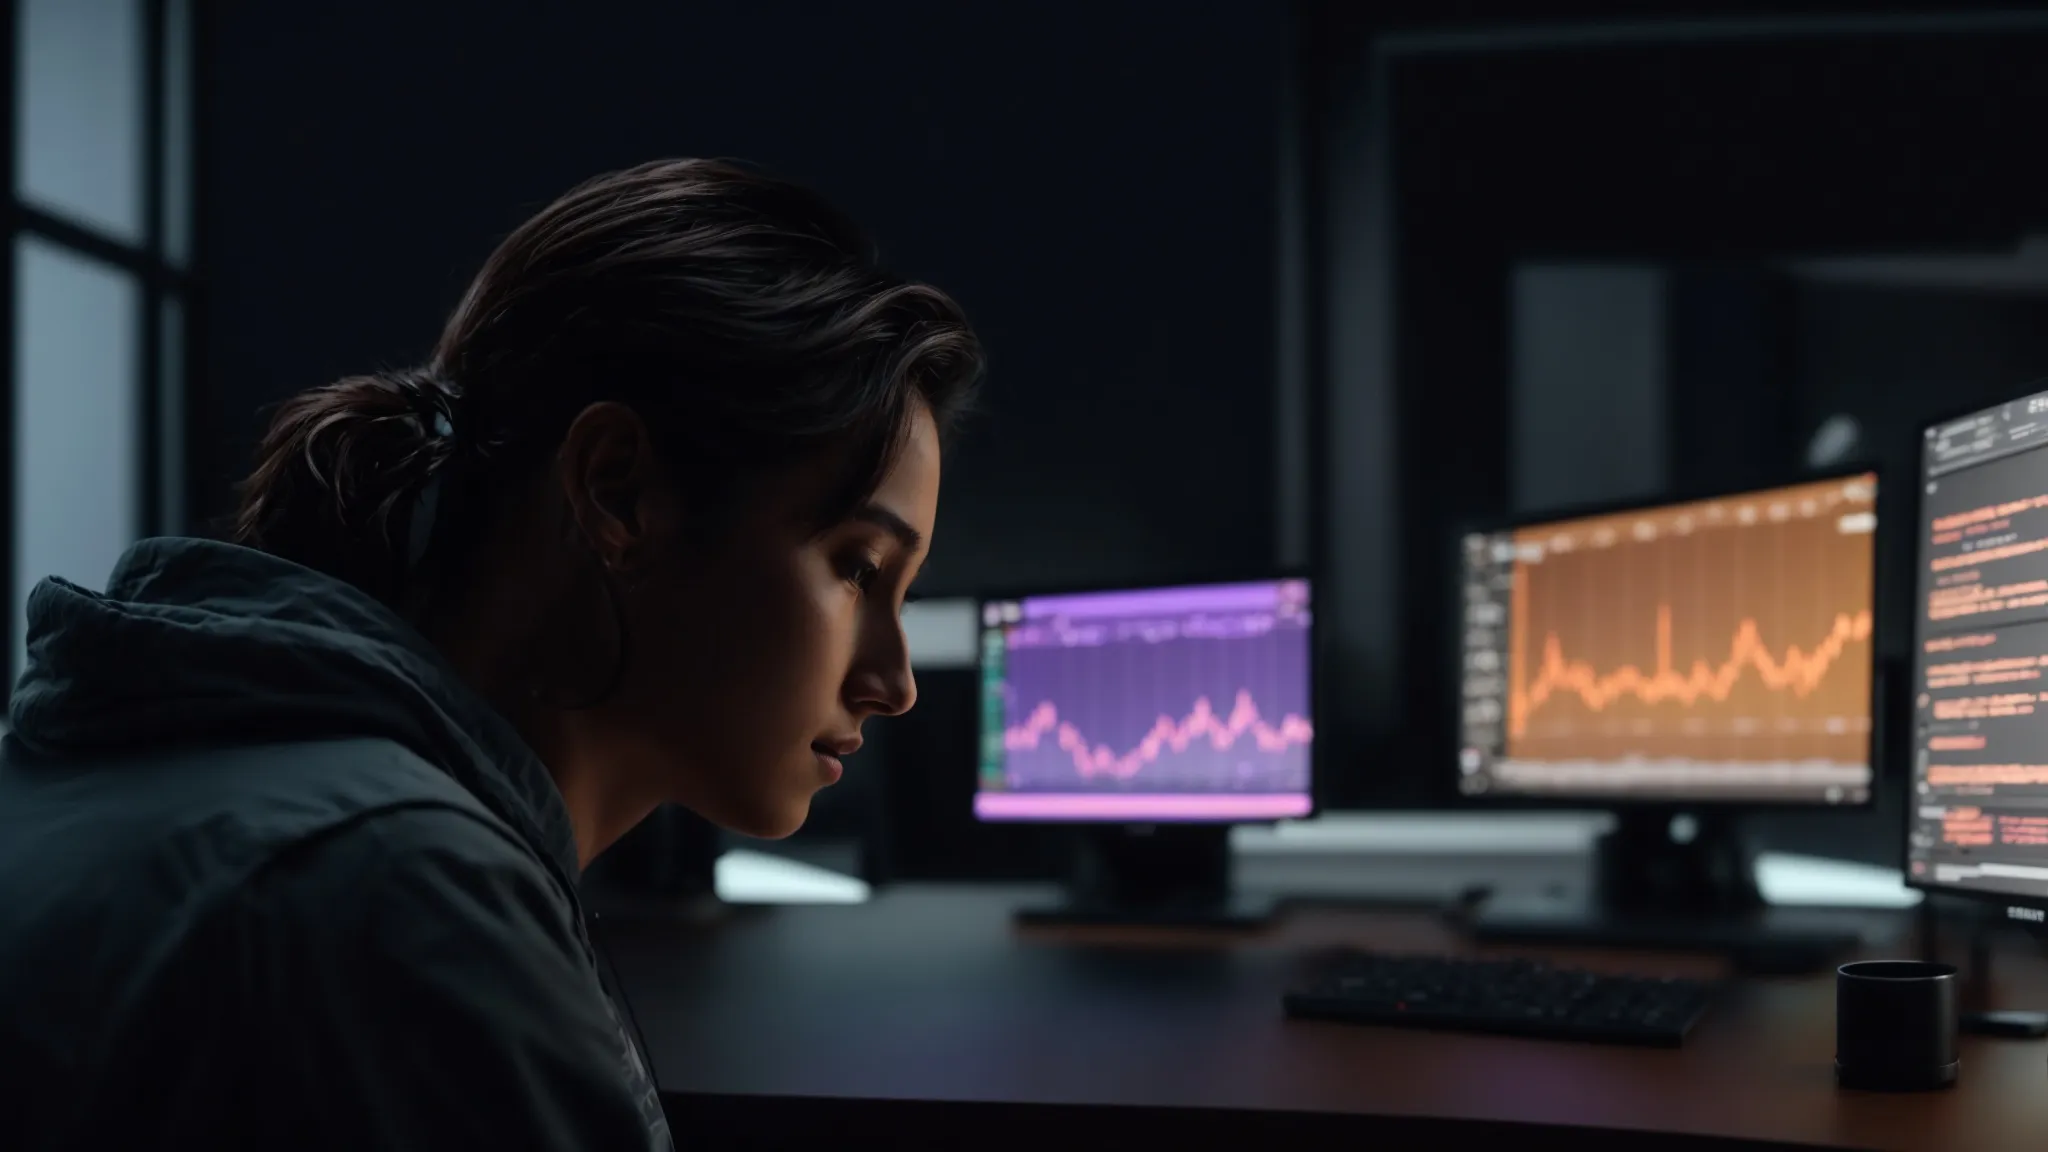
432, 399
422, 528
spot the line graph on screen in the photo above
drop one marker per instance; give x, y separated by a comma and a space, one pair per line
1183, 710
1732, 631
1167, 737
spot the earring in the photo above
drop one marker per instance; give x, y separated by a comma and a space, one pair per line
625, 572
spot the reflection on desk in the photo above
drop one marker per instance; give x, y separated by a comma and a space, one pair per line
929, 994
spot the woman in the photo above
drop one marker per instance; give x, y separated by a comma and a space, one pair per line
290, 829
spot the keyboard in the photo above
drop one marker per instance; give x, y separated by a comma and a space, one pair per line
1503, 997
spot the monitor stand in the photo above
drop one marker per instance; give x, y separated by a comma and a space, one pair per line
1658, 888
1156, 875
1978, 1015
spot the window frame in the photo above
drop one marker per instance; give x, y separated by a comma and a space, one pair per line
161, 281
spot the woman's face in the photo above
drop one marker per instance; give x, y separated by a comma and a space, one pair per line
756, 655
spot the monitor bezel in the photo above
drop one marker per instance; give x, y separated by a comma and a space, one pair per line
1911, 623
1882, 619
1272, 575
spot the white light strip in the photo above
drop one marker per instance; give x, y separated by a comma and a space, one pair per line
1793, 881
744, 877
1391, 834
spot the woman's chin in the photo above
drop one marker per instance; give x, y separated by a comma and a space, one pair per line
769, 820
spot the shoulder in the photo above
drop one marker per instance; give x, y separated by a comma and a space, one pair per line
243, 800
425, 920
394, 877
435, 958
128, 855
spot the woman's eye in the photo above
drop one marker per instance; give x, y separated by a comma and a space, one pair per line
861, 573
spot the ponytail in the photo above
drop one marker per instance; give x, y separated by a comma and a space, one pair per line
340, 475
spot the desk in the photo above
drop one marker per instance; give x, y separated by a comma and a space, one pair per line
928, 993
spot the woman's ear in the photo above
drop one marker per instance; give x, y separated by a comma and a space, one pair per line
606, 467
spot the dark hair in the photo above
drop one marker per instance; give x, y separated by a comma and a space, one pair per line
742, 317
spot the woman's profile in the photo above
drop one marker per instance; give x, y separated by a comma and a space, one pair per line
291, 825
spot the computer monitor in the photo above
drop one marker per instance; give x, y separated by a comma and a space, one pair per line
1156, 717
1677, 663
1704, 652
1977, 808
1977, 816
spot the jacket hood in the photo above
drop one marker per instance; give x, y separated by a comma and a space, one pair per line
202, 642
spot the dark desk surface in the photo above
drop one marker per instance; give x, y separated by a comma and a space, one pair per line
928, 993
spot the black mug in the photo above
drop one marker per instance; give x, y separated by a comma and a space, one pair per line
1895, 1025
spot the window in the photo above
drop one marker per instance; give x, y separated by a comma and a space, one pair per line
96, 290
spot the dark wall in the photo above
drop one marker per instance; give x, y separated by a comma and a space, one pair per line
1897, 358
1095, 182
1694, 152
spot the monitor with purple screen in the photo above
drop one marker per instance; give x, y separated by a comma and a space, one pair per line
1187, 704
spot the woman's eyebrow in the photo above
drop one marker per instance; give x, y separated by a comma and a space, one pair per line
871, 513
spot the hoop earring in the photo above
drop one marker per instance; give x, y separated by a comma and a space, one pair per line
610, 684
